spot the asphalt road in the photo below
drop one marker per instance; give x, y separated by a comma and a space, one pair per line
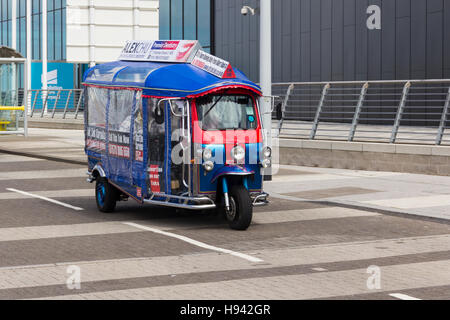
295, 248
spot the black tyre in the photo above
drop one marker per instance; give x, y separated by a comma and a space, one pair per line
106, 195
240, 215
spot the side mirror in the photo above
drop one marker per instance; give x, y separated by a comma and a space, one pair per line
159, 115
279, 111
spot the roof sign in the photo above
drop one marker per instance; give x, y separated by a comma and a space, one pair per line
160, 50
212, 64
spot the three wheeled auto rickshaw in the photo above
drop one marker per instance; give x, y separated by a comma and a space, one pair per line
171, 125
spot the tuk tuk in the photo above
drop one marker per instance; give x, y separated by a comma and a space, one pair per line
171, 125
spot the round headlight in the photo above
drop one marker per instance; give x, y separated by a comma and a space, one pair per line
238, 153
208, 165
267, 152
266, 163
207, 154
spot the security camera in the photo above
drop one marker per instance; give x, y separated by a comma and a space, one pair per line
246, 9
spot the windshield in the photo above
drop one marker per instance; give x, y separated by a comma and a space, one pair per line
226, 112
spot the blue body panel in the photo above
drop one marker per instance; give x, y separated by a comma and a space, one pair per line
208, 180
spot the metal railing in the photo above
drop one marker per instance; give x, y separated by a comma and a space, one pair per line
56, 102
403, 111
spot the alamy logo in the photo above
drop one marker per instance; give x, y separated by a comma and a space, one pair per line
374, 20
374, 280
73, 282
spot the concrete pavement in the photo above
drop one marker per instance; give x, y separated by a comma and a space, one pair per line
327, 234
303, 249
56, 144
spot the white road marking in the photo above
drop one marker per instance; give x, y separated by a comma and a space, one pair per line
319, 269
72, 193
46, 199
402, 296
195, 242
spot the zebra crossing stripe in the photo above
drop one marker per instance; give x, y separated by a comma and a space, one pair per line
46, 199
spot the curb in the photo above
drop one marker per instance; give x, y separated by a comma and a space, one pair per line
38, 156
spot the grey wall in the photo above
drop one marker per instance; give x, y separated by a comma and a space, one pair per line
327, 40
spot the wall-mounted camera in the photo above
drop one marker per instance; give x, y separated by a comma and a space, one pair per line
245, 10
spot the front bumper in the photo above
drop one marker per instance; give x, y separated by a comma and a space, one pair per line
260, 199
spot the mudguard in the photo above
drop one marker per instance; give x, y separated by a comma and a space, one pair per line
232, 170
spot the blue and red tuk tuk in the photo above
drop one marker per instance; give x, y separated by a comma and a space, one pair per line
183, 133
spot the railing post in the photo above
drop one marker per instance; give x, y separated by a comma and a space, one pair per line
401, 107
67, 103
45, 102
283, 107
79, 103
56, 103
355, 121
319, 111
444, 116
34, 102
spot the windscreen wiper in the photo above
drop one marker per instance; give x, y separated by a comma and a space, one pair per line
212, 107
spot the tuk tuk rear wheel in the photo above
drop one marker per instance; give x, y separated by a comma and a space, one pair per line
240, 215
106, 195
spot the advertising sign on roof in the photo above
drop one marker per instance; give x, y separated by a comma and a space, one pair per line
212, 64
160, 50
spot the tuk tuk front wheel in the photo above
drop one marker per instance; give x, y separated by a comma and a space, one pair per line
105, 195
240, 215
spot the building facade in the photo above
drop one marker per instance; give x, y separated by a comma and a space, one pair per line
327, 40
79, 33
188, 19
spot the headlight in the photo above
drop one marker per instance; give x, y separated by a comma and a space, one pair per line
207, 154
238, 153
208, 165
266, 163
267, 152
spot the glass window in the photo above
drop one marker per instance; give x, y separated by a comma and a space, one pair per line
57, 35
176, 19
22, 7
3, 33
36, 6
50, 38
36, 36
164, 19
63, 28
186, 19
204, 22
21, 34
98, 98
226, 112
190, 19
